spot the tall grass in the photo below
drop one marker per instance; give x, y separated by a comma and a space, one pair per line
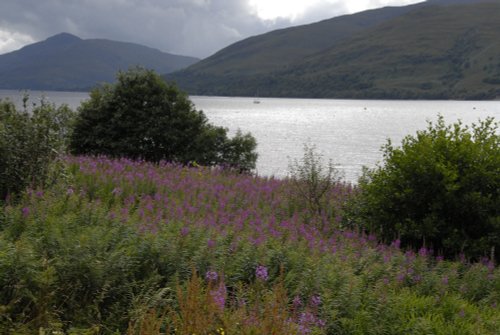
131, 247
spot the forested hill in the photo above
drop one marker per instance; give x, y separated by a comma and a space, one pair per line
66, 62
440, 49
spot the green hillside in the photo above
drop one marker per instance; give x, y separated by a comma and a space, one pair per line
430, 51
278, 49
433, 52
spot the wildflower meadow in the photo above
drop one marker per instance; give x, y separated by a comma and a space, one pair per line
128, 247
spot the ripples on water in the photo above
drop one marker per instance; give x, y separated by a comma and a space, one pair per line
349, 132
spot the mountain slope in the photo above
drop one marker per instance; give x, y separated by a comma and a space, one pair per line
274, 50
437, 49
66, 62
432, 52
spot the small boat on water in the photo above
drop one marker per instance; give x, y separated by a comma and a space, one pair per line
256, 99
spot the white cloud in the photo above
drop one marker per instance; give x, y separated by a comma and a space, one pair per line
13, 40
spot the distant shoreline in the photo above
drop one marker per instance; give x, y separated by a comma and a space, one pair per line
87, 91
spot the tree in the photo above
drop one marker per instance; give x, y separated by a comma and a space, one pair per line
440, 189
142, 117
30, 141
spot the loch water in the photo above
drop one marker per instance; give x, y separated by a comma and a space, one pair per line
350, 133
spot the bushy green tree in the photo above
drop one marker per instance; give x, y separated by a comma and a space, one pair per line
142, 117
439, 189
30, 140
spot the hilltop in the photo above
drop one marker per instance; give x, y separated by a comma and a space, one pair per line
67, 62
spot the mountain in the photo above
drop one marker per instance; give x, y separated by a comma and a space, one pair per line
439, 49
67, 62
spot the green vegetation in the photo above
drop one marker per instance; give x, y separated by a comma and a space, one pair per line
440, 189
30, 142
141, 117
424, 51
114, 249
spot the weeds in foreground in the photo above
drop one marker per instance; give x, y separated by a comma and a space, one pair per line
115, 251
206, 307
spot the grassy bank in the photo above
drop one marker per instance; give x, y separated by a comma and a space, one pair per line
129, 247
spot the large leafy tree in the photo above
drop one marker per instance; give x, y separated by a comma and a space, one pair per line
142, 117
439, 189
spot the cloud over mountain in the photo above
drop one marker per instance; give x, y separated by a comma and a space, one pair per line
188, 27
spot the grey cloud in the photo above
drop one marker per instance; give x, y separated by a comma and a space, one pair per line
189, 27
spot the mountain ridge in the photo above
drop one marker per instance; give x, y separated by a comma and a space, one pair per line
67, 62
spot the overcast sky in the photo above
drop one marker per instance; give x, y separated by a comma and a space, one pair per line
187, 27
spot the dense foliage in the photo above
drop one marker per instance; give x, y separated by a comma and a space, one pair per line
440, 189
30, 141
138, 248
142, 117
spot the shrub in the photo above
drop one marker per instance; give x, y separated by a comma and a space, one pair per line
439, 189
142, 117
30, 140
312, 182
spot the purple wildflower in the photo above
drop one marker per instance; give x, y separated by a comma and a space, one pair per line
297, 302
423, 252
261, 273
396, 244
219, 296
321, 323
26, 212
410, 256
315, 300
401, 277
211, 276
306, 318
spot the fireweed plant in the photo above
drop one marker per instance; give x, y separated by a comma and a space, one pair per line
128, 247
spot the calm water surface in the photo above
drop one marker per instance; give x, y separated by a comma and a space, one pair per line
349, 132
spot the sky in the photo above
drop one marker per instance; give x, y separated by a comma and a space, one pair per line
196, 28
